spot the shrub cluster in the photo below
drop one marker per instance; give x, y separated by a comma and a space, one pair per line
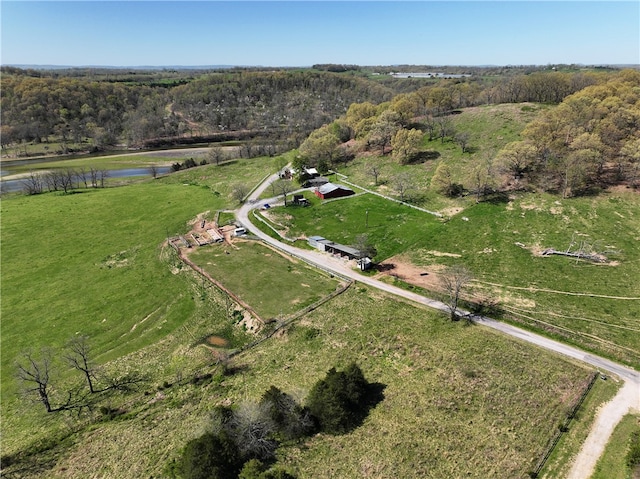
242, 440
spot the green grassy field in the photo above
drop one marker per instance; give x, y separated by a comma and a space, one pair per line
90, 262
604, 315
612, 464
458, 401
282, 287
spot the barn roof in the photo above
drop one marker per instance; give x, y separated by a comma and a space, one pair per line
329, 187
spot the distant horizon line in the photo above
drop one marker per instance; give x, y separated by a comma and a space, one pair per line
38, 66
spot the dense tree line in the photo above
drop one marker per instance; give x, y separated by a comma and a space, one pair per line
108, 107
590, 139
291, 102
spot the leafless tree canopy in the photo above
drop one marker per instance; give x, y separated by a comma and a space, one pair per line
251, 428
283, 187
403, 184
239, 191
453, 280
35, 374
78, 350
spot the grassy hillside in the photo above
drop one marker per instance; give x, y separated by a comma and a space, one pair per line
92, 263
594, 305
458, 400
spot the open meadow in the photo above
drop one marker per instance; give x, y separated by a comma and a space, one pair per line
596, 306
459, 400
92, 263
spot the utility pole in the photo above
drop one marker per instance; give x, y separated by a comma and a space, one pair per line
366, 220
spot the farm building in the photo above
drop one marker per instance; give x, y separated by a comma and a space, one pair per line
333, 190
334, 248
316, 242
315, 182
311, 172
300, 200
342, 250
319, 242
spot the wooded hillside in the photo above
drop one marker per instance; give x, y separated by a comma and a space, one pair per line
591, 139
98, 109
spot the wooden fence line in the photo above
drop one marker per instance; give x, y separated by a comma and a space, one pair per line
565, 426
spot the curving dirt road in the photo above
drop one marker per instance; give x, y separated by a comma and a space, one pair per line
627, 399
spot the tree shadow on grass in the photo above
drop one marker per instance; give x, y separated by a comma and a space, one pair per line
227, 163
423, 156
384, 267
497, 198
374, 395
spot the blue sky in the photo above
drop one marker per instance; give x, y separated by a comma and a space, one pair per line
301, 33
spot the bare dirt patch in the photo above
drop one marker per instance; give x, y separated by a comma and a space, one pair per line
400, 267
451, 211
250, 323
217, 341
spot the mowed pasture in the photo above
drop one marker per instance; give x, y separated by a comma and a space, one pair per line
92, 263
274, 285
596, 306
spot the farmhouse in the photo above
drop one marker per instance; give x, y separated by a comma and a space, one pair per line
333, 190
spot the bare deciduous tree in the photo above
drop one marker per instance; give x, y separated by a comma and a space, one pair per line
103, 175
251, 428
81, 176
239, 192
215, 155
66, 180
33, 184
283, 187
78, 350
93, 175
35, 375
374, 171
445, 128
453, 280
403, 184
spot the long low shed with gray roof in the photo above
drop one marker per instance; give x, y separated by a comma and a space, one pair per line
329, 246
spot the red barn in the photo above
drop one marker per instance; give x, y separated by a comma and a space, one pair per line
332, 190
